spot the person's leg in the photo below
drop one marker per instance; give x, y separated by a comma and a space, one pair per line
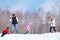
16, 27
26, 32
2, 34
50, 29
12, 29
54, 29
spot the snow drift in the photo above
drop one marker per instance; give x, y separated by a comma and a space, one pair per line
46, 36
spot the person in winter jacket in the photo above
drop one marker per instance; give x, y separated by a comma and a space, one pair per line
5, 31
14, 21
53, 24
28, 28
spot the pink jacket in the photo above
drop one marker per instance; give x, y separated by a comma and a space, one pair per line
28, 26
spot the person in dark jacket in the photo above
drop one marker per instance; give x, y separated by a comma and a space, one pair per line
5, 31
14, 21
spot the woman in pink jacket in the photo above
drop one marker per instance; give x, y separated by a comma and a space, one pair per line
28, 28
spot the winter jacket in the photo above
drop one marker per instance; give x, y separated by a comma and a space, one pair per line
28, 26
6, 31
12, 20
53, 23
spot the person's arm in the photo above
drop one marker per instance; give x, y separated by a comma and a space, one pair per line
10, 19
8, 32
17, 19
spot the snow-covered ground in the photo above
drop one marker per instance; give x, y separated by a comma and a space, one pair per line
46, 36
